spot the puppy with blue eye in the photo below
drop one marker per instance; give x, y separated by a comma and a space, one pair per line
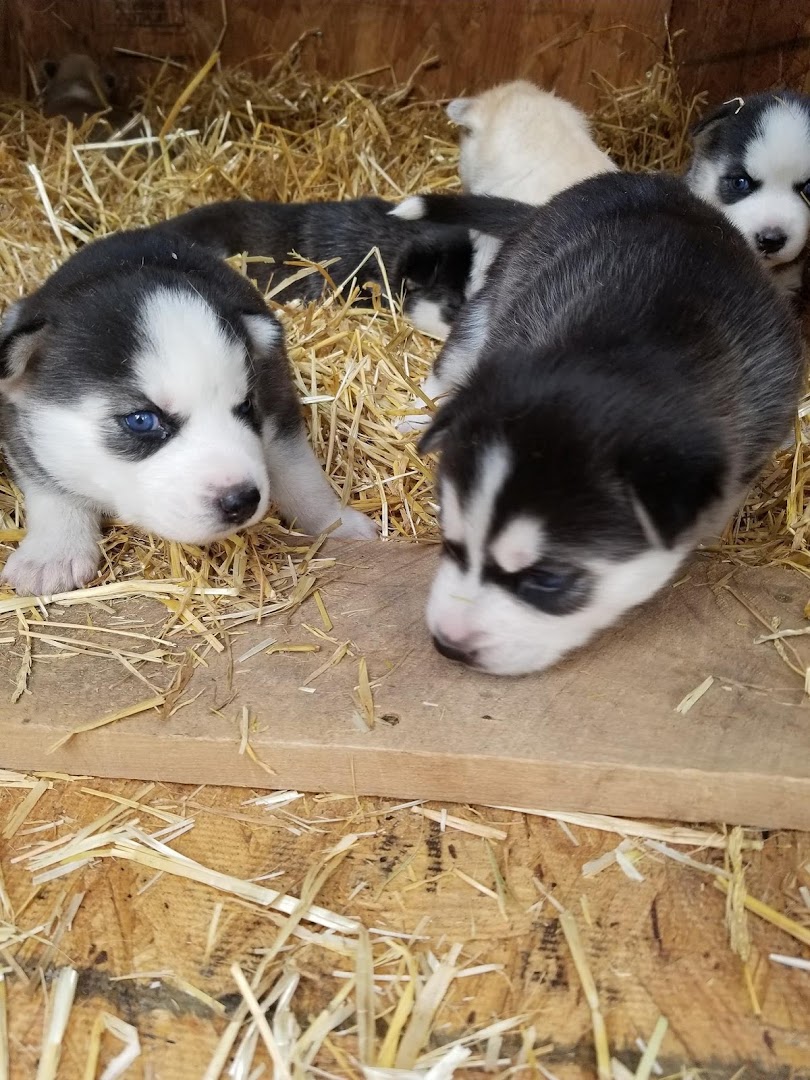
751, 159
146, 380
606, 400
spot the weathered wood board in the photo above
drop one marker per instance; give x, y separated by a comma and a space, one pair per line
598, 733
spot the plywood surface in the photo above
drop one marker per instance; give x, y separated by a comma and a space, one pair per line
656, 947
600, 732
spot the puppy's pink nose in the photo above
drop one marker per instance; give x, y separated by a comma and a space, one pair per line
454, 651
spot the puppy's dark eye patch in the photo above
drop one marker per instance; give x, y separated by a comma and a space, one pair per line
555, 588
138, 434
455, 551
737, 185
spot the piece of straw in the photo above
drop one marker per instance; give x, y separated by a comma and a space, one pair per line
571, 931
56, 1022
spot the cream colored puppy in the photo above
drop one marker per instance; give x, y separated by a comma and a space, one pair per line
521, 142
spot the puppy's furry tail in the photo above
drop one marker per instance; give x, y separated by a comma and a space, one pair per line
484, 213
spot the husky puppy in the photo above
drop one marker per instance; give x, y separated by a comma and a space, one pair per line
429, 264
608, 398
147, 380
521, 142
752, 160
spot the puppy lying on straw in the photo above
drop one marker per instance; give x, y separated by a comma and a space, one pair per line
147, 380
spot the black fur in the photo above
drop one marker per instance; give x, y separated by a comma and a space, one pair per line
493, 215
425, 261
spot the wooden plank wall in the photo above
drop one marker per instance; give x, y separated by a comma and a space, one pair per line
727, 46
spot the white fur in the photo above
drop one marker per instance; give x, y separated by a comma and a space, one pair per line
426, 316
505, 635
519, 545
191, 367
778, 158
54, 559
410, 209
303, 493
521, 143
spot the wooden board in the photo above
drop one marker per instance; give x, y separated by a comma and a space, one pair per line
728, 48
656, 946
475, 42
600, 732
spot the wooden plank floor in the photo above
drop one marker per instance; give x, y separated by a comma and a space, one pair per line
656, 946
598, 733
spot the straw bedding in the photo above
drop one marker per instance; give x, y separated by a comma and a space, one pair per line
295, 137
290, 136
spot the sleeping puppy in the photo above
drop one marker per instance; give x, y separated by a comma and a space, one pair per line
752, 160
430, 264
147, 380
608, 398
524, 143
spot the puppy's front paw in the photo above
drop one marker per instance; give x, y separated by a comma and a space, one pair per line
356, 526
416, 421
35, 569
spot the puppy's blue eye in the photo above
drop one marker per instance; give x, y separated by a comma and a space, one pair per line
806, 190
142, 423
543, 580
739, 183
244, 408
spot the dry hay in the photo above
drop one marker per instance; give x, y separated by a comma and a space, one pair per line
295, 137
290, 136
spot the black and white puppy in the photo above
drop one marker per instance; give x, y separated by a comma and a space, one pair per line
429, 264
606, 401
147, 380
752, 160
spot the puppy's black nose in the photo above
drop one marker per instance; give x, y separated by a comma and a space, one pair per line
238, 504
769, 241
451, 652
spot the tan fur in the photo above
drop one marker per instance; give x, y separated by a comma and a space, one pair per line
524, 143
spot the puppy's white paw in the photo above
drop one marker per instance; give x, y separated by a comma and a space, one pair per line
406, 425
356, 526
36, 569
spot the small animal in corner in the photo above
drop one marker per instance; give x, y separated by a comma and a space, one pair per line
751, 159
146, 380
76, 87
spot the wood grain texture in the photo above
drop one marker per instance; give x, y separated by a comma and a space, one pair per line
730, 48
598, 732
655, 947
476, 42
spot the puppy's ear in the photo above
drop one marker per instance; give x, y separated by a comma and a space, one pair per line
674, 482
703, 128
436, 434
264, 332
21, 335
459, 110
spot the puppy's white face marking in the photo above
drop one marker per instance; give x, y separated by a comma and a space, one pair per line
196, 370
495, 622
519, 545
777, 161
